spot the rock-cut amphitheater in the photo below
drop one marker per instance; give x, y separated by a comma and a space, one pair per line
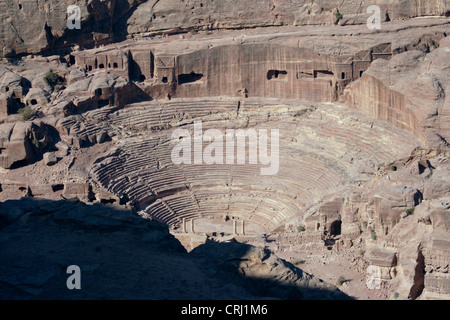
363, 115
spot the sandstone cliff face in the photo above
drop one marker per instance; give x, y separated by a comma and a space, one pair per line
423, 259
154, 16
28, 26
33, 26
373, 177
404, 225
409, 91
23, 142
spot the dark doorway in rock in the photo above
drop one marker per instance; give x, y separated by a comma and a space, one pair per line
335, 228
424, 164
107, 201
387, 17
189, 78
152, 65
33, 102
57, 187
276, 74
323, 74
165, 80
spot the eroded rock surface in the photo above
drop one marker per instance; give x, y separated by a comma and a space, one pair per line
35, 26
363, 117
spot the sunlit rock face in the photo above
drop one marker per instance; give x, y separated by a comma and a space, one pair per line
33, 26
345, 129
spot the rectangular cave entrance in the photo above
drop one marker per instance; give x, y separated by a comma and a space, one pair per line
152, 65
57, 187
323, 74
189, 78
276, 75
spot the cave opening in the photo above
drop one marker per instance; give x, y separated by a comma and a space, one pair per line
335, 228
424, 164
107, 201
152, 65
57, 187
323, 74
189, 78
276, 74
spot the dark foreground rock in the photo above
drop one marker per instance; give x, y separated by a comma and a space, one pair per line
123, 256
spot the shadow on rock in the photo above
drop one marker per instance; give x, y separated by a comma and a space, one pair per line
123, 256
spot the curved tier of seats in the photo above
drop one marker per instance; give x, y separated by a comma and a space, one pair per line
322, 150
